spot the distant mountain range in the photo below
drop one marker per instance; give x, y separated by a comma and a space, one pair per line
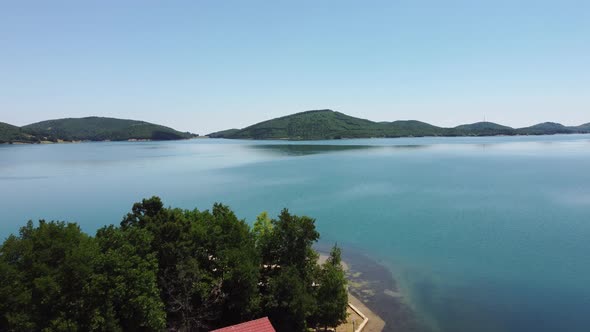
328, 124
310, 125
88, 129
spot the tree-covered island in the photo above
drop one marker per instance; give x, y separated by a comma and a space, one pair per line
88, 129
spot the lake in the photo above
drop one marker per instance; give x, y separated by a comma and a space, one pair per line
481, 234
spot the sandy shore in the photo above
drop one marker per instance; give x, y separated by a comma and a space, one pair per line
375, 324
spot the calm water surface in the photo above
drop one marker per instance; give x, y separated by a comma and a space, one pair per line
483, 234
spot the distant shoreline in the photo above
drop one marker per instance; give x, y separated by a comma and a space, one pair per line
389, 137
327, 124
277, 139
92, 128
102, 141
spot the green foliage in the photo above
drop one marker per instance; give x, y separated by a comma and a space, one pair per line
289, 268
223, 133
43, 281
483, 129
88, 129
322, 124
100, 129
293, 237
208, 263
11, 134
166, 268
289, 301
262, 226
237, 263
549, 128
327, 124
126, 282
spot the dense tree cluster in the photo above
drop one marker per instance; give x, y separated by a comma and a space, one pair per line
169, 269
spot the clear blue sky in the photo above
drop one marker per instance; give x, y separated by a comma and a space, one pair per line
209, 65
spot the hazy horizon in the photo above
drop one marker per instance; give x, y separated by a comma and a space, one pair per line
209, 66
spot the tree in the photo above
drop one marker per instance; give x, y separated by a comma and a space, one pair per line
126, 283
262, 229
288, 270
290, 301
182, 283
236, 262
207, 263
332, 297
43, 278
292, 241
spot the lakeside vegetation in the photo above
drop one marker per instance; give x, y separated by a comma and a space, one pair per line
168, 268
328, 124
88, 129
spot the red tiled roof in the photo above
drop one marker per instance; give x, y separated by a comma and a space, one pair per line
257, 325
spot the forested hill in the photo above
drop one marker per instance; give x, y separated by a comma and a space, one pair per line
328, 124
10, 133
88, 129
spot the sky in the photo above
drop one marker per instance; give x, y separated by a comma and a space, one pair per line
203, 66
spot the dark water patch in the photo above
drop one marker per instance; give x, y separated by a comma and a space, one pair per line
311, 149
304, 150
409, 147
374, 285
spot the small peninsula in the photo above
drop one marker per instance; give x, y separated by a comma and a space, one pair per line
328, 124
89, 129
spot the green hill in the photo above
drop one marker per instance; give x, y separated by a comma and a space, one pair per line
483, 129
88, 129
585, 128
223, 133
320, 124
328, 124
13, 134
413, 128
546, 128
101, 129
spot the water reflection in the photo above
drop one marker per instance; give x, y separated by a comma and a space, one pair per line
311, 149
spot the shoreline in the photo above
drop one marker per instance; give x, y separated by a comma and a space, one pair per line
374, 323
372, 285
285, 139
102, 141
292, 139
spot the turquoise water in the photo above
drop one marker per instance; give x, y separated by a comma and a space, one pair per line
483, 234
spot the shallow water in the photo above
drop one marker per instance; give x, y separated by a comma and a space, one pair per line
482, 234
